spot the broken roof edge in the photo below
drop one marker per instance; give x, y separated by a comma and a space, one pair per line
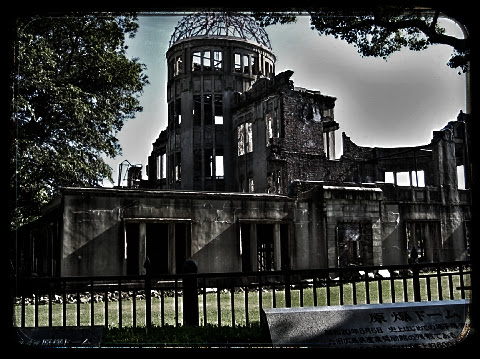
221, 37
302, 187
160, 192
264, 86
347, 139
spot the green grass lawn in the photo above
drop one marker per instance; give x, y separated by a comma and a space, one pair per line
239, 299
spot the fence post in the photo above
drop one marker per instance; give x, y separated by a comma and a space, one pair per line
190, 295
148, 293
416, 284
288, 295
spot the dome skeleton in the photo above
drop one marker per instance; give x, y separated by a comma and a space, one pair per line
220, 24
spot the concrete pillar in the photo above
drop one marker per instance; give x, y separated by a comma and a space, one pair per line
253, 246
171, 248
186, 139
142, 247
277, 253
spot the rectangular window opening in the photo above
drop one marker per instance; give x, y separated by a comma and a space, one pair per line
197, 61
251, 188
269, 129
178, 111
350, 244
461, 177
217, 60
178, 167
254, 65
208, 163
206, 61
238, 63
218, 110
219, 166
240, 142
197, 110
245, 64
163, 165
249, 137
207, 110
178, 65
403, 179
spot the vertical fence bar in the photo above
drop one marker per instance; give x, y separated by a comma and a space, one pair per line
260, 298
315, 299
64, 304
105, 299
134, 308
274, 296
176, 301
450, 285
246, 306
327, 284
78, 308
392, 288
36, 304
380, 290
367, 288
232, 304
120, 309
354, 291
405, 291
204, 301
340, 285
219, 308
148, 301
92, 304
50, 308
462, 284
416, 285
162, 307
429, 291
288, 293
22, 320
301, 294
439, 283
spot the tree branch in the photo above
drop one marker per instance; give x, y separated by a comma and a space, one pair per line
433, 37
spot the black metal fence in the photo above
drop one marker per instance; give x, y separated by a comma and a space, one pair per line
227, 298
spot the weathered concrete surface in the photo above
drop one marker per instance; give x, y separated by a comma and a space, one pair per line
424, 324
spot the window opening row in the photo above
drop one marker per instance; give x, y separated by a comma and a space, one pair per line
206, 60
212, 111
213, 163
408, 178
212, 108
249, 64
211, 60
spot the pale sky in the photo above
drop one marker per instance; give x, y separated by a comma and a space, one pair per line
398, 102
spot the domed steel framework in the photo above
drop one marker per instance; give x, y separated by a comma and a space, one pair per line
220, 24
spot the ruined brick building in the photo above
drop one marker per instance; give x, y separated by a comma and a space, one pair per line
245, 177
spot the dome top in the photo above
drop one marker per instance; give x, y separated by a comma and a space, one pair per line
220, 24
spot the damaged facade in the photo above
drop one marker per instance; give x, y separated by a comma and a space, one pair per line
245, 177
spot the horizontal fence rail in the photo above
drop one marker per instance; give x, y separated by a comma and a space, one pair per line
227, 298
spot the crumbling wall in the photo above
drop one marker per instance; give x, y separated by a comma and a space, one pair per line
373, 162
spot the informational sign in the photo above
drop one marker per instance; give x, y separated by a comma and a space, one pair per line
60, 337
419, 324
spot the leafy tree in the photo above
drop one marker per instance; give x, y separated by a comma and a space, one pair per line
381, 30
73, 88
